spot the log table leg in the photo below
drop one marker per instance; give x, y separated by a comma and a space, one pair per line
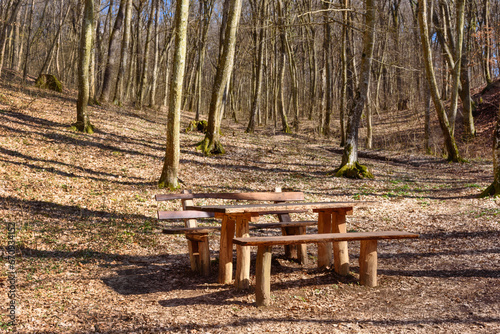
324, 248
368, 263
263, 276
226, 251
242, 280
340, 253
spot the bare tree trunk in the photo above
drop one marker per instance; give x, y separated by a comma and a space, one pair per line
82, 119
350, 166
124, 55
141, 91
169, 175
50, 54
211, 144
487, 42
494, 188
112, 53
327, 61
260, 67
154, 81
451, 146
8, 20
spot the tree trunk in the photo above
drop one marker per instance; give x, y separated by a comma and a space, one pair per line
451, 146
487, 42
124, 55
82, 119
260, 68
168, 178
350, 166
211, 144
327, 75
50, 54
154, 77
112, 53
494, 188
8, 20
143, 80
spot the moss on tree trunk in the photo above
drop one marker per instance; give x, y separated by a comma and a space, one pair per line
210, 147
354, 171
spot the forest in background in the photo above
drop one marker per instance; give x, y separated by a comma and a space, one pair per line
326, 61
303, 45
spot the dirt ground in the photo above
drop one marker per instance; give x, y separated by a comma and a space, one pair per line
90, 258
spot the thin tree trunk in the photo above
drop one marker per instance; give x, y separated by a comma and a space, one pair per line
124, 55
211, 144
141, 92
8, 21
350, 166
451, 147
169, 175
154, 81
112, 53
82, 119
50, 54
260, 68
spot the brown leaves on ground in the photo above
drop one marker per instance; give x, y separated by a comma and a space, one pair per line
90, 258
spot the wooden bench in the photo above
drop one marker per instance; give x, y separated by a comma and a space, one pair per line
197, 236
367, 258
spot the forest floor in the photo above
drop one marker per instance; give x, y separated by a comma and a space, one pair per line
90, 258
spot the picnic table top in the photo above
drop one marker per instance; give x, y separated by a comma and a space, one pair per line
263, 208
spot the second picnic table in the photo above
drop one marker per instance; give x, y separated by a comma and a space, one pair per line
236, 219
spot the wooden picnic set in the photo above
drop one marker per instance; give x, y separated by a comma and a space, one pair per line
236, 221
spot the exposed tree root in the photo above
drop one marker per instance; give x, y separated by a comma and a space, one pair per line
492, 191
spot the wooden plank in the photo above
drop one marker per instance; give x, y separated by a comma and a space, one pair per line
263, 208
284, 224
199, 230
249, 196
189, 214
326, 237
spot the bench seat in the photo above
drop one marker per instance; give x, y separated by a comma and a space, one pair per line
367, 258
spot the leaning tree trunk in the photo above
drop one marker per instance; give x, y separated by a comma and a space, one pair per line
494, 188
170, 170
449, 139
350, 167
211, 143
82, 119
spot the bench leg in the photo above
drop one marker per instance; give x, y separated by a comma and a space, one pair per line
324, 248
340, 253
193, 257
242, 279
263, 276
368, 263
199, 253
204, 250
226, 251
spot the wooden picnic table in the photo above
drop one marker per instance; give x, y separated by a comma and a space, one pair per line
236, 219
